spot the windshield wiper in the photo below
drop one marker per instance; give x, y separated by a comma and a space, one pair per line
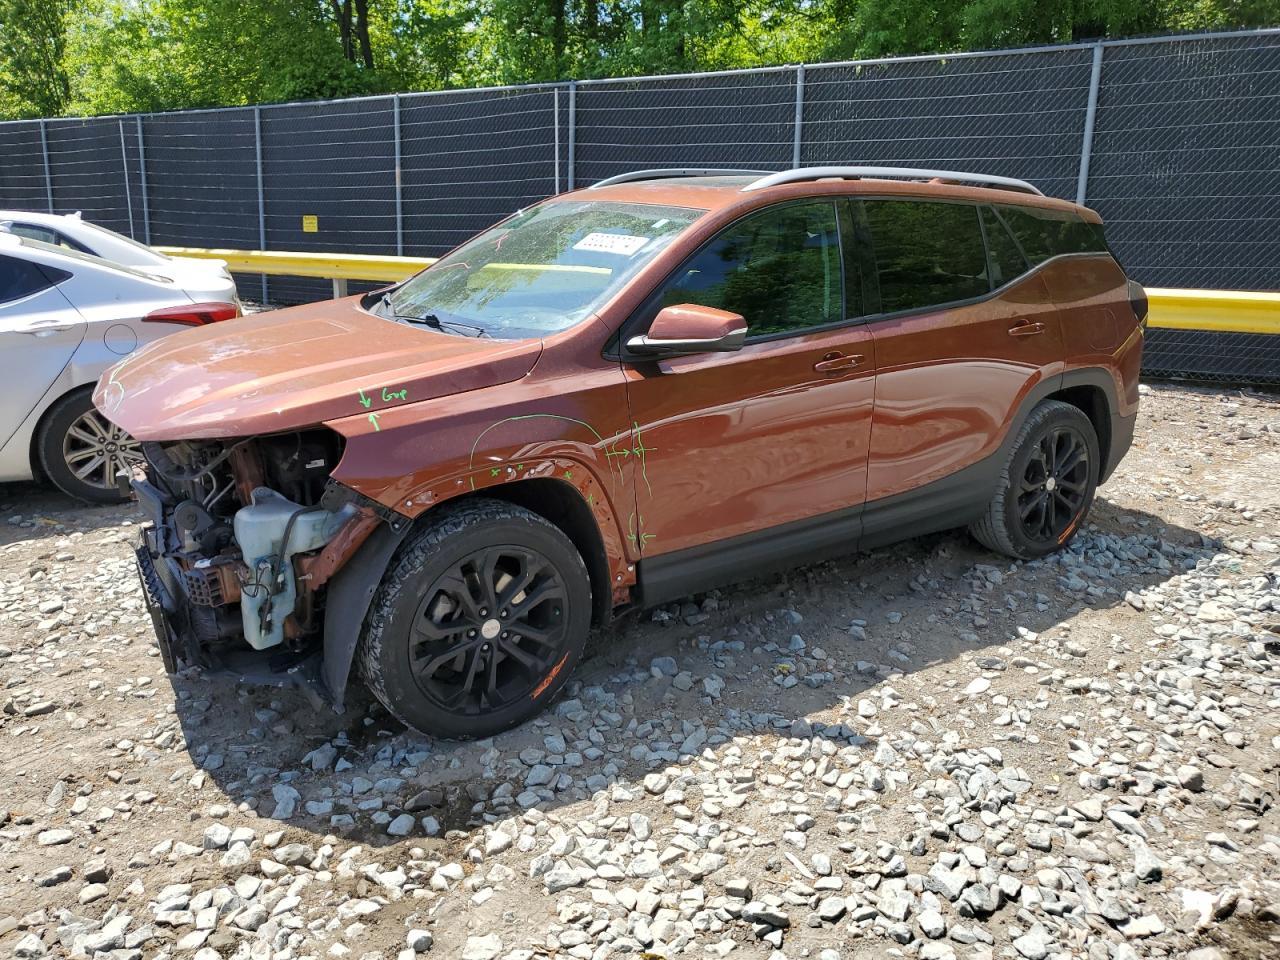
431, 320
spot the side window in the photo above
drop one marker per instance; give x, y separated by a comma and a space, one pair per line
1046, 233
32, 232
780, 269
1007, 261
1077, 236
19, 279
45, 235
926, 252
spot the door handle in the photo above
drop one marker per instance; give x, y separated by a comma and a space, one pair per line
838, 362
47, 330
1026, 328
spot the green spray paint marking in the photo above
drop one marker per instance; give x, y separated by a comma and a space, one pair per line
373, 418
638, 539
471, 464
387, 396
638, 450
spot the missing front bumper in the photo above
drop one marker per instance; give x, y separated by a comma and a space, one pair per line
171, 617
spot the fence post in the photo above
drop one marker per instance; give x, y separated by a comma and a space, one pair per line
124, 166
1090, 115
573, 139
142, 173
395, 101
48, 180
795, 141
555, 121
262, 212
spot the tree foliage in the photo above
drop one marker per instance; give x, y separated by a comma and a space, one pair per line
106, 56
33, 70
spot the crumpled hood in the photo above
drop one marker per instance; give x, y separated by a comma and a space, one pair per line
289, 369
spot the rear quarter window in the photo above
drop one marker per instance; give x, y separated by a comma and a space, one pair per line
1041, 234
20, 278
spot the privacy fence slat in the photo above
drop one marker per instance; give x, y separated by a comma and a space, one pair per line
1174, 140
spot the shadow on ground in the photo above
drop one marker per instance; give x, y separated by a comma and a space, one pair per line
31, 511
926, 601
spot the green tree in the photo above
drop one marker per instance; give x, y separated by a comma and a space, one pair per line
175, 54
33, 75
99, 56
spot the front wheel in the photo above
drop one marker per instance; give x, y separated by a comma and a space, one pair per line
83, 452
478, 622
1047, 486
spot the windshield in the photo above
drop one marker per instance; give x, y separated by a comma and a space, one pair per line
544, 269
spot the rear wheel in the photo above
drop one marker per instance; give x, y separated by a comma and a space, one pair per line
478, 622
83, 452
1047, 486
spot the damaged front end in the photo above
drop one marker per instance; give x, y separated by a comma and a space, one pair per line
245, 536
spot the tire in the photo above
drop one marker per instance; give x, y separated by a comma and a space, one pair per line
424, 638
82, 451
1045, 491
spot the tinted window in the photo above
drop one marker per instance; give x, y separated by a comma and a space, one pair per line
926, 252
1047, 233
45, 235
1007, 261
779, 269
18, 278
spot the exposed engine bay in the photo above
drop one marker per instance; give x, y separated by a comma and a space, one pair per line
244, 536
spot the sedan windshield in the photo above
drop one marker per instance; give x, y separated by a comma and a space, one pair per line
543, 270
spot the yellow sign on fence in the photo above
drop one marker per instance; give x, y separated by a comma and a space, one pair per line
310, 223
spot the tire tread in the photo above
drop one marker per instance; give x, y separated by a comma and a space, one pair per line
991, 529
451, 520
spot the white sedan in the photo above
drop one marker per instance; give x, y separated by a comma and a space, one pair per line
210, 277
65, 317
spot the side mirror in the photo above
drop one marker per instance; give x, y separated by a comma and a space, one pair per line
689, 328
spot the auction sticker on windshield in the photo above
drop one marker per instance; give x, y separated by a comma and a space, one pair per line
611, 243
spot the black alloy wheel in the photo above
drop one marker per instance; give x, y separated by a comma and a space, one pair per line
1055, 485
478, 622
489, 630
1044, 492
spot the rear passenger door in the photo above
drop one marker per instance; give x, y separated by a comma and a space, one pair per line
953, 360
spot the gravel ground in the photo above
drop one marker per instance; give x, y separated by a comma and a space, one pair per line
926, 752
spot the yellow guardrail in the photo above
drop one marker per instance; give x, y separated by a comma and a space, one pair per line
330, 266
1224, 311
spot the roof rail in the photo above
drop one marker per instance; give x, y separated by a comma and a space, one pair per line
666, 173
902, 173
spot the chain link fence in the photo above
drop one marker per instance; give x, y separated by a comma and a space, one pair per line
1174, 140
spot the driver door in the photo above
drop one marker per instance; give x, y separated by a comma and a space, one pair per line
763, 450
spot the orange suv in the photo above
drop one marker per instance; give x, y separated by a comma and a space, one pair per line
620, 396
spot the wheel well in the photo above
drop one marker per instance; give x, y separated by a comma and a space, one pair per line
559, 503
1092, 401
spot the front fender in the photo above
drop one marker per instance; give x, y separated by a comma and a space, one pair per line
411, 464
349, 593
